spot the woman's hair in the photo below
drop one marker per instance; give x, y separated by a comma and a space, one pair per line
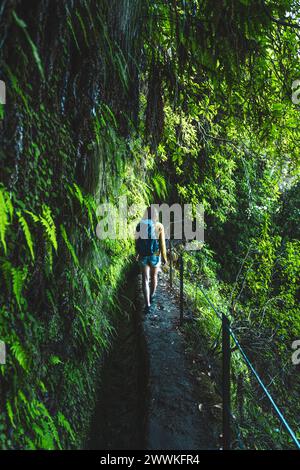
151, 213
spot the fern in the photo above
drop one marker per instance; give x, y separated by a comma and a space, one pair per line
55, 360
30, 443
160, 185
34, 49
18, 278
3, 220
34, 217
10, 413
22, 397
9, 205
87, 201
86, 283
64, 423
39, 435
49, 225
69, 245
18, 89
20, 355
78, 193
49, 421
83, 321
27, 233
47, 442
90, 204
42, 386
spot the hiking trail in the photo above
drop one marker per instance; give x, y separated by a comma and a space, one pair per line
180, 414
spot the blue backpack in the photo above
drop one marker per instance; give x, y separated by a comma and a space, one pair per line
147, 243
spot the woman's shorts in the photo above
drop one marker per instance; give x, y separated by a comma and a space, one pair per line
151, 260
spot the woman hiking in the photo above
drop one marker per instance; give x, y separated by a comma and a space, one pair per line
151, 250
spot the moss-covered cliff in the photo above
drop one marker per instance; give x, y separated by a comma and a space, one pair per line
67, 143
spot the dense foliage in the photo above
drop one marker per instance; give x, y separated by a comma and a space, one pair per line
177, 101
230, 141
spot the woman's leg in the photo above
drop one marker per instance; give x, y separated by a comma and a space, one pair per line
145, 280
154, 279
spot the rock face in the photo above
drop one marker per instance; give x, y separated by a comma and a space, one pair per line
71, 76
68, 58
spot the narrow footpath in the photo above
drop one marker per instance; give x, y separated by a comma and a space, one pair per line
179, 402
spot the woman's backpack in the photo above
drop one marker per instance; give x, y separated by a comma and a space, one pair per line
147, 244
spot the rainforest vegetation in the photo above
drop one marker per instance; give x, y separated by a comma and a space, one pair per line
187, 101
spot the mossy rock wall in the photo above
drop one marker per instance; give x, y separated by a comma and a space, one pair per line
67, 139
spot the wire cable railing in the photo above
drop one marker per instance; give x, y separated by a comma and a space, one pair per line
227, 334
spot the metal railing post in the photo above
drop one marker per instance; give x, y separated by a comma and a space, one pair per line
181, 288
226, 382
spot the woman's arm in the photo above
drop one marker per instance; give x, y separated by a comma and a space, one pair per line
162, 243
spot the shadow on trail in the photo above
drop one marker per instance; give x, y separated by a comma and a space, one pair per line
150, 396
119, 420
179, 400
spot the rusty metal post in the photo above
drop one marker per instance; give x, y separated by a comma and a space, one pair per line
226, 382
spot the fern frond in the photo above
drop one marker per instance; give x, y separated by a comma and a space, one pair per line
10, 413
86, 283
22, 397
160, 185
90, 204
18, 278
78, 193
30, 444
9, 205
40, 407
34, 217
3, 220
54, 360
47, 442
63, 422
27, 233
20, 355
49, 225
69, 245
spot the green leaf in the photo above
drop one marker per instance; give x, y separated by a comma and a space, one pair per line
27, 233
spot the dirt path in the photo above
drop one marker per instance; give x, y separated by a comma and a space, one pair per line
177, 400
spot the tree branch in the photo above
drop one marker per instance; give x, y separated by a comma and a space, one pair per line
279, 21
